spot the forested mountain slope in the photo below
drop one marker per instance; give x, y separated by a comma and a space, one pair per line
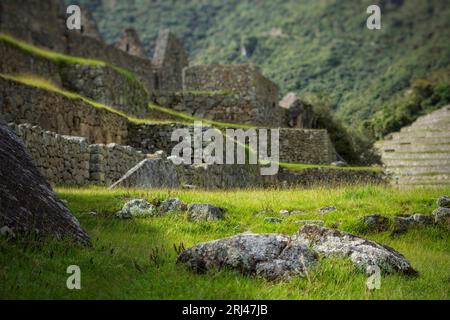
318, 47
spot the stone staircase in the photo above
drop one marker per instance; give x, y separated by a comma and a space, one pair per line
419, 155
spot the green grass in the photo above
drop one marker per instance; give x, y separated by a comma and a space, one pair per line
136, 259
62, 58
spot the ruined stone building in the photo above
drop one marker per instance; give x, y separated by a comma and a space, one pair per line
96, 138
130, 43
169, 60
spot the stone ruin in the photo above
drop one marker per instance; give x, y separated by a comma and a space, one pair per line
75, 142
299, 114
169, 60
130, 43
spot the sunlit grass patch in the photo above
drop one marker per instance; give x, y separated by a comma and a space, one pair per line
136, 258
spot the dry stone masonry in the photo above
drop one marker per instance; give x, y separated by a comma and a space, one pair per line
72, 160
419, 155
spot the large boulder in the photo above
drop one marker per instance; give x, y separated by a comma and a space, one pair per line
271, 256
150, 173
362, 252
277, 256
27, 203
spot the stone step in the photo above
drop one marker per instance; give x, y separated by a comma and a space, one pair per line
431, 170
443, 113
421, 134
441, 125
415, 155
443, 119
409, 140
442, 178
401, 148
416, 162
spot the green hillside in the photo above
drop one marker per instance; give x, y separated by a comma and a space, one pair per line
319, 48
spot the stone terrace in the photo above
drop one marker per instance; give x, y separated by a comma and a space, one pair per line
419, 155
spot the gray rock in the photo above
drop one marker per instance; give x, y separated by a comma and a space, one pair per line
442, 215
6, 232
402, 224
327, 209
205, 212
317, 222
170, 205
444, 202
375, 223
284, 212
423, 219
27, 201
362, 252
271, 256
273, 220
137, 208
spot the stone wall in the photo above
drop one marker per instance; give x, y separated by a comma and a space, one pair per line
35, 21
306, 146
14, 61
100, 83
152, 137
296, 145
226, 107
105, 85
231, 93
326, 177
108, 163
60, 159
130, 43
71, 160
88, 47
244, 80
169, 60
220, 176
21, 103
43, 23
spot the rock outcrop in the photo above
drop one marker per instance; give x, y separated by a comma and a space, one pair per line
277, 256
269, 255
27, 203
362, 252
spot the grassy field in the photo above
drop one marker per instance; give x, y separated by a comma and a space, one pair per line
136, 258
